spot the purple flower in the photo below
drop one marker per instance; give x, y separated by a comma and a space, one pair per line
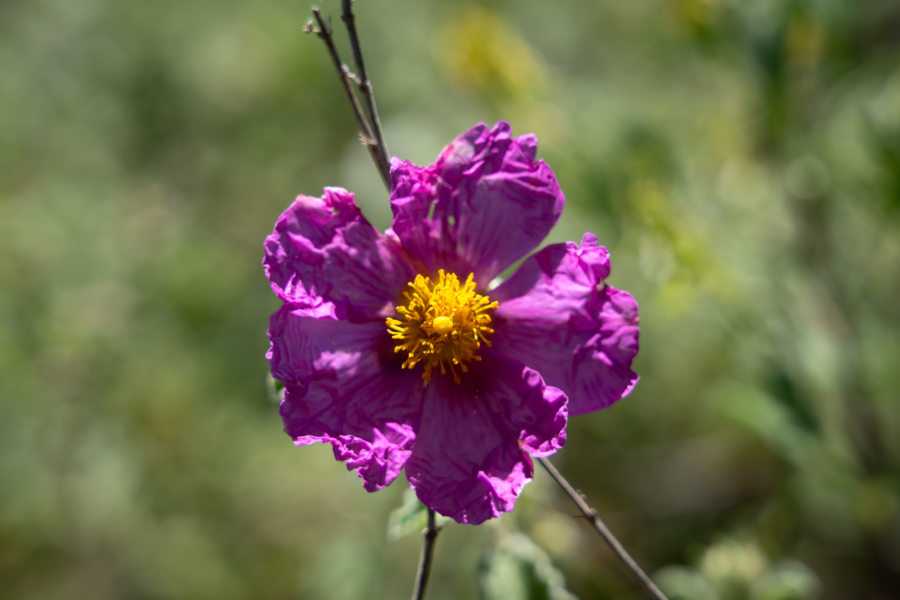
394, 349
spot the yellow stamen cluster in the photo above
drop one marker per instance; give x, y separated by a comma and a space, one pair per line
442, 324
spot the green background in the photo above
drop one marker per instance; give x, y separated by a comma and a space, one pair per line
741, 160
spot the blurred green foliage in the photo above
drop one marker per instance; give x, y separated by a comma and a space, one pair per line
516, 569
741, 160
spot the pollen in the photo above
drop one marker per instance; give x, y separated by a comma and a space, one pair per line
442, 324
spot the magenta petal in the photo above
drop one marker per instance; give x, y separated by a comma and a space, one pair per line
481, 206
469, 461
548, 434
371, 427
308, 343
324, 247
557, 317
340, 390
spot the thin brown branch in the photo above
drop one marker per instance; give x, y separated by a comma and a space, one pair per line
323, 30
430, 536
591, 515
365, 86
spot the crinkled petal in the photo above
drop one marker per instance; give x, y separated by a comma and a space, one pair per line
308, 343
383, 431
324, 247
484, 203
469, 461
343, 388
556, 316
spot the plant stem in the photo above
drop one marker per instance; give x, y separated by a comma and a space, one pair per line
430, 536
376, 149
601, 528
365, 87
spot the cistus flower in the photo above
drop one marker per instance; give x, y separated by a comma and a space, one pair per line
394, 348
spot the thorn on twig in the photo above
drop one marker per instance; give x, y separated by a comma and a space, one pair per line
351, 75
324, 28
310, 27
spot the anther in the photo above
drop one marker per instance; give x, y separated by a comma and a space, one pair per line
442, 324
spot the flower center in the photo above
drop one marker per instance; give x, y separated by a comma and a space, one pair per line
442, 324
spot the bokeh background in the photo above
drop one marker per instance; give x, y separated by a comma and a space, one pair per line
741, 160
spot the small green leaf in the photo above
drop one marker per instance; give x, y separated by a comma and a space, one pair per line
274, 389
410, 517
